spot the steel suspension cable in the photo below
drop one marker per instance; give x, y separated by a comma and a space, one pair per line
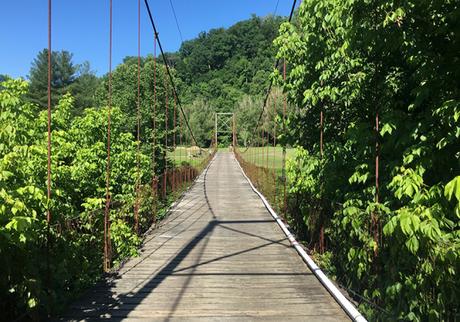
284, 145
376, 157
265, 134
174, 144
138, 119
321, 132
107, 259
169, 72
165, 172
321, 149
375, 219
268, 138
276, 7
291, 14
258, 155
188, 140
177, 22
181, 173
257, 147
154, 177
233, 132
48, 184
275, 183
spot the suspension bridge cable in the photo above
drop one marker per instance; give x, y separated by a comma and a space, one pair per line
48, 184
276, 7
107, 183
274, 148
138, 120
168, 71
284, 145
275, 67
165, 172
174, 144
154, 176
375, 217
177, 22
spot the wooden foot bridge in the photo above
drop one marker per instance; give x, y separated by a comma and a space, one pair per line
221, 253
165, 187
219, 256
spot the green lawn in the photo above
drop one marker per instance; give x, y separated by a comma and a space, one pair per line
267, 176
254, 155
183, 154
258, 156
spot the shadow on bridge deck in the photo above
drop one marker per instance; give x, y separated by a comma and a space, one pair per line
219, 256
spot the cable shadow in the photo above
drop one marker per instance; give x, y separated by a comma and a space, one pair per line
214, 222
228, 256
169, 220
103, 302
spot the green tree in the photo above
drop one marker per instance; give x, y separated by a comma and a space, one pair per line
73, 258
352, 60
3, 78
201, 120
222, 65
84, 88
62, 75
66, 77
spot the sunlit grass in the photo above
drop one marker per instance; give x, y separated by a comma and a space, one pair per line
267, 157
264, 166
186, 154
261, 156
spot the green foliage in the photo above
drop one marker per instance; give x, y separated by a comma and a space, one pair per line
78, 80
222, 65
201, 119
124, 241
41, 269
351, 60
124, 95
225, 70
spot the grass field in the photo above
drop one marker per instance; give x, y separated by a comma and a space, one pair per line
182, 154
268, 175
253, 155
258, 156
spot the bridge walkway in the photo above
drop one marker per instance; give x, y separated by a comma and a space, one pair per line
219, 256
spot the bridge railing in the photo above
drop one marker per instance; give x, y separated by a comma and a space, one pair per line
264, 158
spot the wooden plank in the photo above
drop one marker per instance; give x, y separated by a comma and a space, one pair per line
219, 256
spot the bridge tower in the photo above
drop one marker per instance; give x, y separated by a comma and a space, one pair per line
225, 124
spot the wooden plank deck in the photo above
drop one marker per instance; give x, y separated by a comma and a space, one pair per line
218, 257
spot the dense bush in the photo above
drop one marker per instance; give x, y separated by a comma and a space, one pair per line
39, 276
400, 59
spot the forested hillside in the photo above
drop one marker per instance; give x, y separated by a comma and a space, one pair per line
222, 65
214, 72
223, 69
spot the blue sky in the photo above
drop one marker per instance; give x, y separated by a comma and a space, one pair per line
81, 27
